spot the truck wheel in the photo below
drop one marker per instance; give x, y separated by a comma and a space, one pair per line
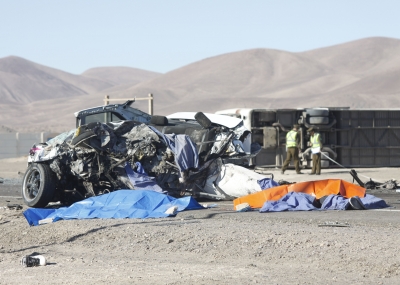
38, 185
319, 120
317, 112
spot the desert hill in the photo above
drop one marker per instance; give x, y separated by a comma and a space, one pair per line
120, 75
359, 74
348, 75
363, 57
23, 81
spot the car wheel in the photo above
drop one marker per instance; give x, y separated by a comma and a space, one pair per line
38, 185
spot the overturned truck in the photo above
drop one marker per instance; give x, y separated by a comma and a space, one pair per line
173, 155
351, 137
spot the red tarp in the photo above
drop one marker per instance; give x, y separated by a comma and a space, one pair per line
318, 189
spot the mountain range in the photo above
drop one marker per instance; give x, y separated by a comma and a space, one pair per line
359, 74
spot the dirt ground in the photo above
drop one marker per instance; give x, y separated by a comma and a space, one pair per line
212, 246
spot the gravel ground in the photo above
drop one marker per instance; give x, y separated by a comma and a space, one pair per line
212, 246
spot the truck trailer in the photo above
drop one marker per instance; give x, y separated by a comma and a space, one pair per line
350, 137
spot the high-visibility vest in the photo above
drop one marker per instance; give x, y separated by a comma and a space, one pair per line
291, 139
315, 140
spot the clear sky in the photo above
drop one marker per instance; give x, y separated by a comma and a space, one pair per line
162, 35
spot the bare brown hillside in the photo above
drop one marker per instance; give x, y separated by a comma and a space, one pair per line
23, 81
120, 75
358, 74
363, 57
350, 74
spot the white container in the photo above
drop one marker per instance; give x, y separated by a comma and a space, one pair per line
33, 260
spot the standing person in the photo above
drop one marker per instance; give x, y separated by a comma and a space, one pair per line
316, 146
292, 150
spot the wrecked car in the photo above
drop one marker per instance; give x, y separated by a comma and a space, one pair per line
172, 155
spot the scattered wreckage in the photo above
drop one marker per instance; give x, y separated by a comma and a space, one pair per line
179, 155
375, 185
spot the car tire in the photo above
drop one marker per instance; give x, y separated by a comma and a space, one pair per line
38, 185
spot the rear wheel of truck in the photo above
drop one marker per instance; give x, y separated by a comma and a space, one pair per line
317, 112
38, 185
319, 120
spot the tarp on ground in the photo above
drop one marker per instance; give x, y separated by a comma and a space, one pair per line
318, 189
334, 202
120, 204
297, 201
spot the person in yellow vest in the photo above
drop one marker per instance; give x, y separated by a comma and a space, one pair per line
292, 150
316, 146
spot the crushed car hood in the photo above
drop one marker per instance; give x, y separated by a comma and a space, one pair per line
222, 120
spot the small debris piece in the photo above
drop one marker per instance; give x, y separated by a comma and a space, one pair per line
333, 224
284, 182
172, 210
45, 221
244, 207
210, 206
33, 260
14, 206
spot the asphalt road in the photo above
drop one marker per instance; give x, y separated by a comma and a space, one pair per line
10, 187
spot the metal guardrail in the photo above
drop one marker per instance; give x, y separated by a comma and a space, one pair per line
150, 98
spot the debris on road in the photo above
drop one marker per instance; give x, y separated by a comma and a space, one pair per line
33, 260
138, 204
14, 207
244, 207
334, 224
375, 185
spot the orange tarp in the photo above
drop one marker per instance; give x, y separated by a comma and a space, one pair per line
318, 189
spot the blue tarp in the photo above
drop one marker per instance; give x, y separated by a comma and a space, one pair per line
120, 204
335, 202
292, 201
296, 201
141, 180
184, 149
267, 183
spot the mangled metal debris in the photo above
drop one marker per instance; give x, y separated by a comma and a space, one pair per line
375, 185
99, 158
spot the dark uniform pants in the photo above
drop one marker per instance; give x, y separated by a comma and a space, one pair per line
316, 163
292, 152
